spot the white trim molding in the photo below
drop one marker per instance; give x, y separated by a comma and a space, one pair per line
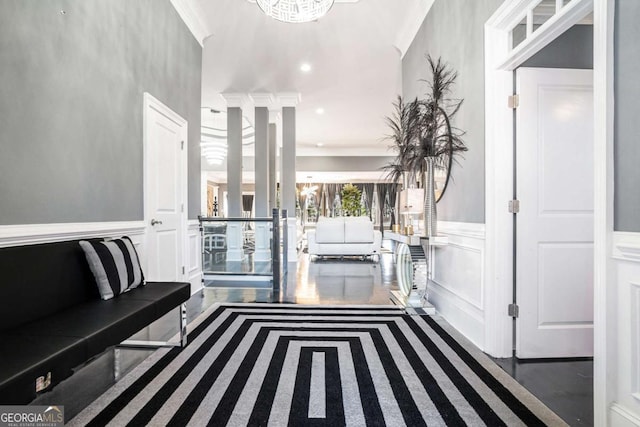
191, 14
31, 234
194, 255
626, 246
622, 417
459, 294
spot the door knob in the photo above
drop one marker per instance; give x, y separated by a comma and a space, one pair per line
155, 222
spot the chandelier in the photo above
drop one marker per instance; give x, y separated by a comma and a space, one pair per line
295, 11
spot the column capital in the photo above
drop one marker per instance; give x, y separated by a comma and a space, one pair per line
289, 99
262, 99
274, 116
234, 100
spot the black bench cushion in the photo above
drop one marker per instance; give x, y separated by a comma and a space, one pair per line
165, 295
40, 280
25, 358
101, 323
63, 341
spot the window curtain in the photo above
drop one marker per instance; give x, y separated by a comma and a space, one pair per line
368, 190
338, 198
392, 191
321, 198
381, 189
300, 198
331, 197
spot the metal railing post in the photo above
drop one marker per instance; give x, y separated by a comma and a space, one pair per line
275, 250
285, 240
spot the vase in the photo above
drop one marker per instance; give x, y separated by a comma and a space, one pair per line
430, 213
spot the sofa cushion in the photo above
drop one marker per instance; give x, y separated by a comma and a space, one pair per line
114, 264
330, 230
358, 230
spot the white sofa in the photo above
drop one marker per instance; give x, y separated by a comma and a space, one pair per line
344, 236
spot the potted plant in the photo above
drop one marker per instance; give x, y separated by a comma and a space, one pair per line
404, 128
437, 142
351, 200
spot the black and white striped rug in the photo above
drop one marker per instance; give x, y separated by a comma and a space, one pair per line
258, 365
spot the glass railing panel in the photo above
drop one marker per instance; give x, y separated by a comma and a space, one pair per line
237, 246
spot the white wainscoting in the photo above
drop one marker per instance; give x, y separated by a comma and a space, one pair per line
31, 234
457, 288
625, 359
194, 256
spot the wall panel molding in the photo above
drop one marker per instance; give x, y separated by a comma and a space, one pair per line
194, 256
457, 286
623, 417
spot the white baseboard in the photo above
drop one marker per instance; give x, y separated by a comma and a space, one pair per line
31, 234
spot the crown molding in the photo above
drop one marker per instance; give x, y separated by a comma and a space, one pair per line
274, 115
191, 15
289, 99
262, 99
234, 100
413, 23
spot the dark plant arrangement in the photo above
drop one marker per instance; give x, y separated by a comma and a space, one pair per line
403, 124
436, 136
423, 127
351, 200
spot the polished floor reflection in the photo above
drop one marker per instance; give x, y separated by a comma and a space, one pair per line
313, 282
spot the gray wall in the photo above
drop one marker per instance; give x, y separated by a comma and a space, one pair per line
71, 96
627, 124
573, 49
454, 30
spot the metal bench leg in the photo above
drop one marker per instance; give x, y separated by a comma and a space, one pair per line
182, 335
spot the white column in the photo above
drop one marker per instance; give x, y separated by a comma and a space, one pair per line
289, 101
262, 102
274, 116
235, 102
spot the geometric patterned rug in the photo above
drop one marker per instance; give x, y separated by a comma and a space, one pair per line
277, 365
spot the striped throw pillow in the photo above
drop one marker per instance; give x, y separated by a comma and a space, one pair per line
114, 264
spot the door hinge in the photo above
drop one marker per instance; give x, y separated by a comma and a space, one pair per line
513, 101
182, 145
182, 207
183, 269
513, 310
514, 206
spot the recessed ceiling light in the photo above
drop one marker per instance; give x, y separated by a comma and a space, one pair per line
319, 144
319, 110
305, 68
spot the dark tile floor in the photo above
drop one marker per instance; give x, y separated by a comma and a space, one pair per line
565, 387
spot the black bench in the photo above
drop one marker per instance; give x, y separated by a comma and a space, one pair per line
52, 319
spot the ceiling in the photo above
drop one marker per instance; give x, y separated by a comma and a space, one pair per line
354, 51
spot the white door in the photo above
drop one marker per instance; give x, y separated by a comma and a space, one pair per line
554, 249
165, 191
